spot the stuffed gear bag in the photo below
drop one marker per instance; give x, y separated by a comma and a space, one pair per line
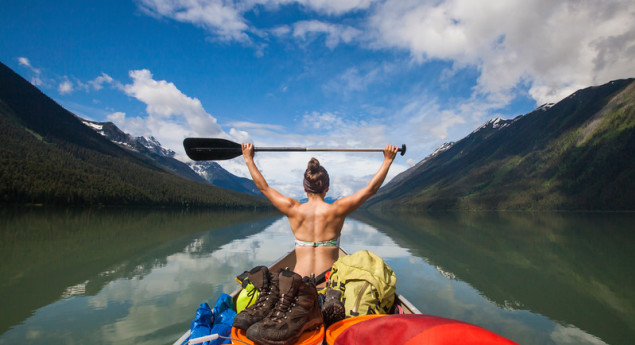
367, 283
248, 294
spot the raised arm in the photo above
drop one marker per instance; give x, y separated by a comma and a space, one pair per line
347, 205
281, 202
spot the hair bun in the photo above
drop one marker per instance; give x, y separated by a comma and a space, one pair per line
313, 166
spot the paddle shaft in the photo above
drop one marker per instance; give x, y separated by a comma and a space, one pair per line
220, 149
288, 149
308, 149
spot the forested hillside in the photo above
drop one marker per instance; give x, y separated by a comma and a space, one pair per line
578, 154
49, 157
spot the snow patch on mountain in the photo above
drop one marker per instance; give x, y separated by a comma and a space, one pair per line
154, 146
545, 106
114, 134
495, 123
442, 148
95, 126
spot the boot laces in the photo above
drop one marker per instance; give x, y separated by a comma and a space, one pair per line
264, 295
282, 307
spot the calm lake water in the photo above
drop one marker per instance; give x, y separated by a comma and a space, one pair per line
137, 277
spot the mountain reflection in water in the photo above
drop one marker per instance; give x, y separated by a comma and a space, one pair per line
573, 268
136, 277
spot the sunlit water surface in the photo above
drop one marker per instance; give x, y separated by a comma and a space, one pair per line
137, 277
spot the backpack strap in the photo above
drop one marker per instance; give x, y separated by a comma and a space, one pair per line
321, 278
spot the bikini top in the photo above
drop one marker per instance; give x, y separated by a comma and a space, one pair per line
330, 243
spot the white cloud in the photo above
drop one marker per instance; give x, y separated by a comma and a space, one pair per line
324, 121
280, 31
240, 136
164, 101
335, 33
25, 62
36, 79
550, 48
118, 117
221, 18
555, 47
137, 126
171, 115
65, 87
349, 171
336, 7
226, 19
104, 78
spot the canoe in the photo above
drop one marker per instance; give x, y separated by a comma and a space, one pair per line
289, 261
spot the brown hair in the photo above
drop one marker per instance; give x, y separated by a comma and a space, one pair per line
316, 179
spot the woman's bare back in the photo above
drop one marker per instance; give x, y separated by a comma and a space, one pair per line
315, 221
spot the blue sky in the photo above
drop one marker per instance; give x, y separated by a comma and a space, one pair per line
346, 73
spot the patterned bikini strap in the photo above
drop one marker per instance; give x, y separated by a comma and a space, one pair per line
330, 243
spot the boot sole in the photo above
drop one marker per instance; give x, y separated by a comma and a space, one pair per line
332, 313
242, 325
314, 325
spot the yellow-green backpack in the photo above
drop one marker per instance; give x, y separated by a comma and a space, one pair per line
367, 283
248, 295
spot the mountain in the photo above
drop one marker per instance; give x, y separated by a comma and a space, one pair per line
206, 172
147, 147
213, 173
578, 154
50, 157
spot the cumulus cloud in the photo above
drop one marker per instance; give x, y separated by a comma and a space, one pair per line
555, 47
65, 87
164, 101
171, 115
226, 21
136, 126
548, 49
221, 18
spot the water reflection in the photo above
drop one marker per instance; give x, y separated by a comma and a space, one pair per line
573, 268
67, 274
136, 278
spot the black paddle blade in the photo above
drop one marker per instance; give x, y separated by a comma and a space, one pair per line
211, 149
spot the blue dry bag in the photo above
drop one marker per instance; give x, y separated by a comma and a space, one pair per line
217, 321
223, 318
201, 326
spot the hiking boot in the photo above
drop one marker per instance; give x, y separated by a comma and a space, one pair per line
297, 310
333, 308
267, 284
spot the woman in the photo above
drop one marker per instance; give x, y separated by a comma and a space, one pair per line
317, 225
